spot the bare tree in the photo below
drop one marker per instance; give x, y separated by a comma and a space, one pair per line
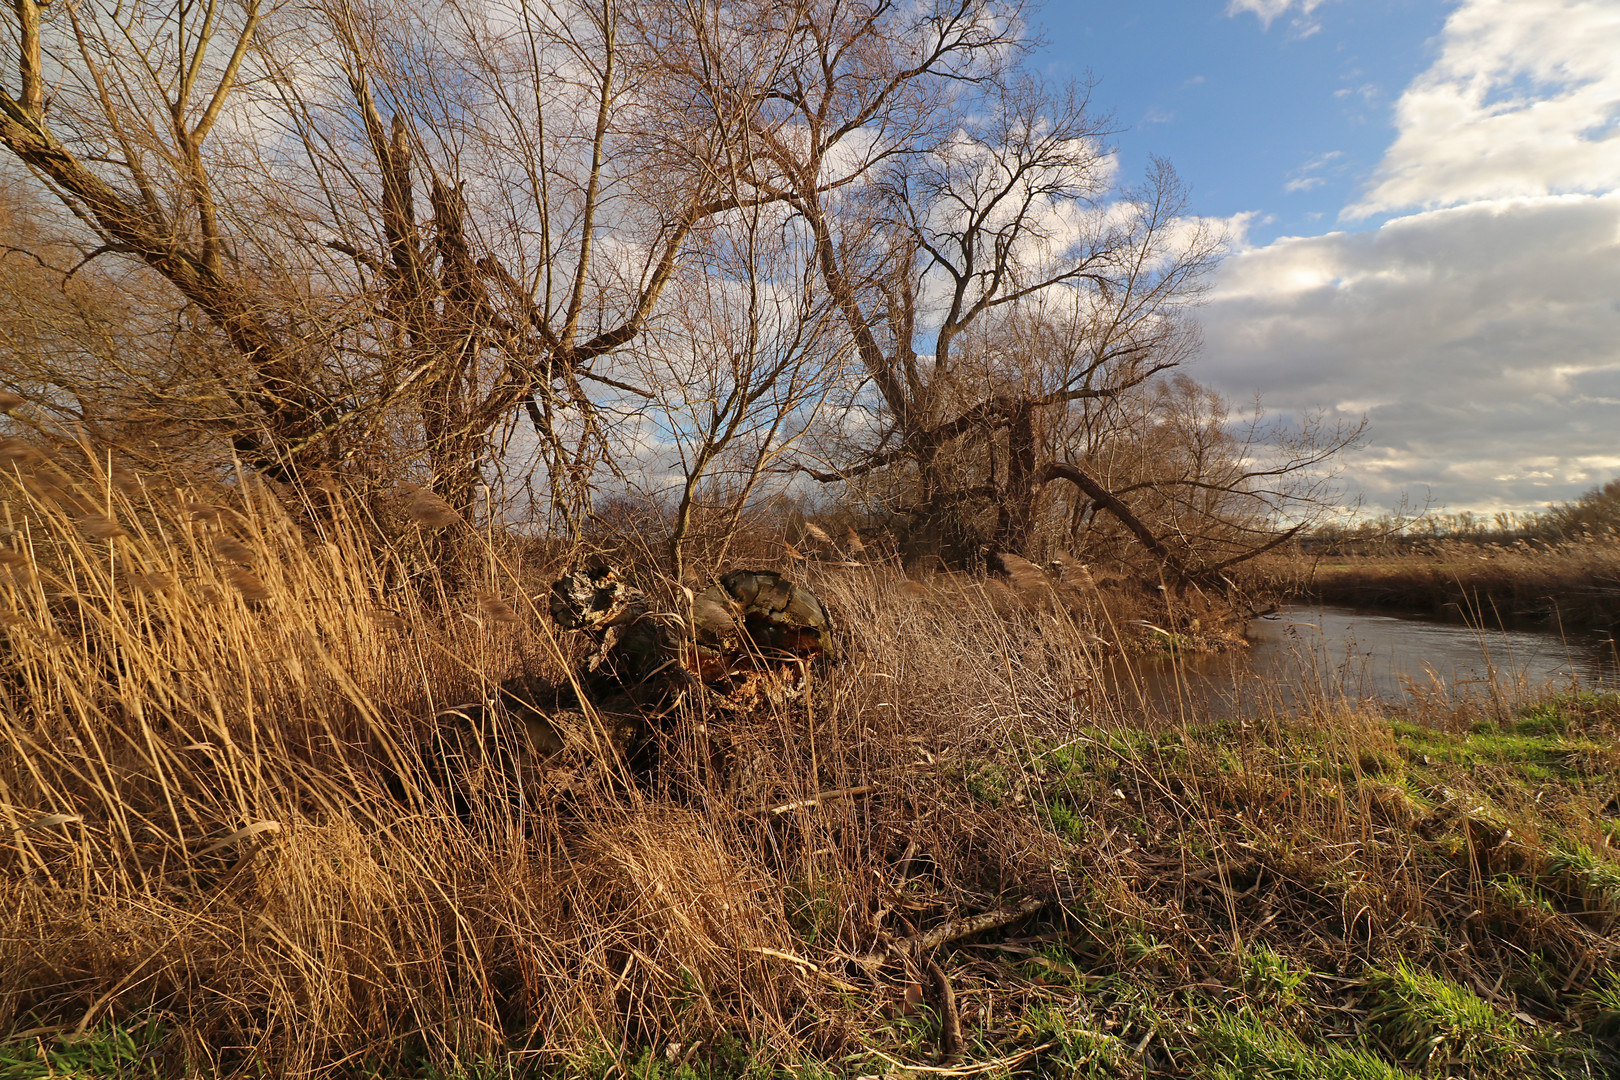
938, 188
408, 230
738, 371
1169, 468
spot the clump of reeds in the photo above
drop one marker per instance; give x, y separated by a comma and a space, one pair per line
236, 793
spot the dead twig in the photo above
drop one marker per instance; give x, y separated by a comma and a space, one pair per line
950, 1020
808, 965
951, 931
973, 1069
814, 800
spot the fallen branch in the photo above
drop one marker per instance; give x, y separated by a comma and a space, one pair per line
951, 931
808, 965
970, 1070
961, 928
950, 1020
814, 800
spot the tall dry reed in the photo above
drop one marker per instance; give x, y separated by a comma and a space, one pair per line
1573, 583
227, 798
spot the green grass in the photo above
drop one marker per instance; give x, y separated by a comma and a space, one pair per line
728, 1060
1539, 754
989, 782
1602, 1004
1270, 978
1248, 1046
1513, 893
1074, 1050
811, 911
108, 1050
1590, 879
1425, 1018
1066, 821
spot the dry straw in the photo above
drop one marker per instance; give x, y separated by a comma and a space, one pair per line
270, 807
394, 883
429, 510
233, 549
496, 610
248, 584
102, 527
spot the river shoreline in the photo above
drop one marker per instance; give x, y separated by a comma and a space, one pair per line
1573, 586
1309, 656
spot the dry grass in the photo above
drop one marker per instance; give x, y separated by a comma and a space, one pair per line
223, 800
1570, 584
234, 809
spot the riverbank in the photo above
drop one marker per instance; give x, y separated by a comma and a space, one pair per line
244, 849
1371, 895
1572, 585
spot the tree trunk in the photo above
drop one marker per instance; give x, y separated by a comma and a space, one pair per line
1015, 512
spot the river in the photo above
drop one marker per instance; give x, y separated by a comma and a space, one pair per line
1314, 655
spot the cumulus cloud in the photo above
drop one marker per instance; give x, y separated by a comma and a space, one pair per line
1482, 342
1524, 99
1269, 10
1480, 334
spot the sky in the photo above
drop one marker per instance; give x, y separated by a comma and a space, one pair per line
1423, 204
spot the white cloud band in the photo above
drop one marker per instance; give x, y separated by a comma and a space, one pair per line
1524, 99
1483, 342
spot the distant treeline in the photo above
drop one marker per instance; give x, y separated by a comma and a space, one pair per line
1594, 515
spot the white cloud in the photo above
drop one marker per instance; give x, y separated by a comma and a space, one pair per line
1524, 99
1482, 342
1480, 335
1309, 175
1268, 10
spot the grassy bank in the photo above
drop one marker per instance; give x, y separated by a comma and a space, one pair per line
244, 835
1574, 584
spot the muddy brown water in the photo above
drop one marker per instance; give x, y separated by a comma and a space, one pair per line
1308, 655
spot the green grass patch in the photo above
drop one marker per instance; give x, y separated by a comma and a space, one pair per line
728, 1059
1601, 1003
989, 782
1591, 878
1426, 1019
108, 1050
1246, 1047
1269, 977
811, 911
1538, 751
1065, 820
1509, 892
1071, 1048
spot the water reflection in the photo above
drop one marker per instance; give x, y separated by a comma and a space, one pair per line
1311, 654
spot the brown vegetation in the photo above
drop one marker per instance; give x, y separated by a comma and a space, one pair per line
316, 304
1573, 584
245, 812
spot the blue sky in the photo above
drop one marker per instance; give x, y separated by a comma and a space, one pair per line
1289, 116
1424, 202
